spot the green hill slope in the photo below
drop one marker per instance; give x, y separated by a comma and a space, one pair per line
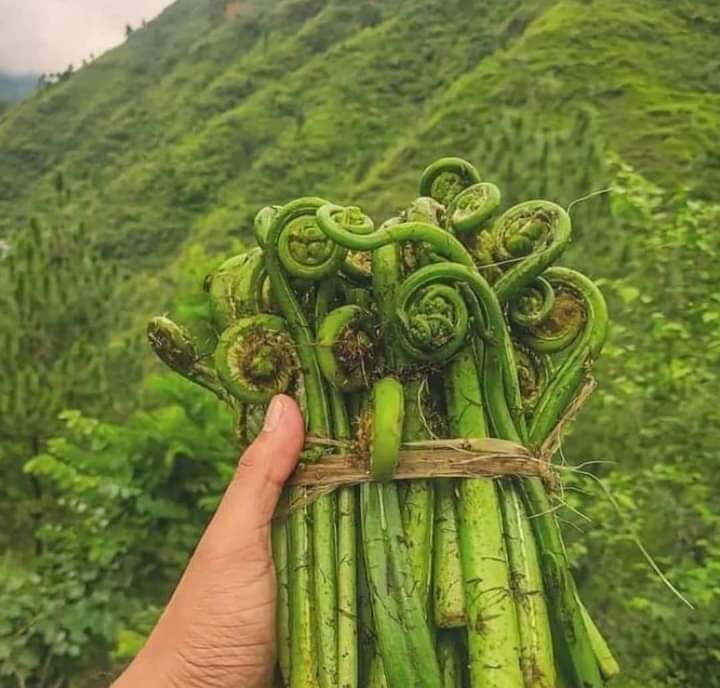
218, 107
649, 69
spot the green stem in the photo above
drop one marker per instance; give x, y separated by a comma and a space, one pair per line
578, 643
449, 658
404, 638
408, 579
606, 661
303, 647
442, 243
448, 589
313, 590
347, 563
392, 634
366, 631
536, 641
347, 571
376, 677
417, 507
492, 631
536, 657
282, 620
325, 587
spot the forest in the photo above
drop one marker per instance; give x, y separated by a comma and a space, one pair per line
123, 184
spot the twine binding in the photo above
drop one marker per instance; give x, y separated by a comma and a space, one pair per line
485, 457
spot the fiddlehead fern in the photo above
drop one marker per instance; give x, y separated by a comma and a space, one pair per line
444, 179
296, 219
560, 326
236, 289
534, 373
435, 322
472, 207
442, 243
533, 304
487, 321
295, 247
573, 333
505, 402
302, 248
530, 308
528, 238
175, 347
346, 348
255, 359
263, 220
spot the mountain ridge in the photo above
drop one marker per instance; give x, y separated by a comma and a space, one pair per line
216, 108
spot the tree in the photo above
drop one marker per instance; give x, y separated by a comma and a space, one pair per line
127, 500
64, 76
58, 303
131, 501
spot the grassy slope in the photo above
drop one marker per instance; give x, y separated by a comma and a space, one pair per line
259, 109
649, 69
198, 120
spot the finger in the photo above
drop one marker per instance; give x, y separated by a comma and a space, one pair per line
251, 498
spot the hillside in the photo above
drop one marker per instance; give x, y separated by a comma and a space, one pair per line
216, 108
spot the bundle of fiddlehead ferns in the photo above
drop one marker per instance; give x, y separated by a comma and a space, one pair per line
442, 322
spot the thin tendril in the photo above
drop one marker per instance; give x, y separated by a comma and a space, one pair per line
587, 197
633, 535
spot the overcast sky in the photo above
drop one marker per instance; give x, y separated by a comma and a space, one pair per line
47, 35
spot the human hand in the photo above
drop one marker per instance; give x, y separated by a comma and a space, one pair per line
218, 631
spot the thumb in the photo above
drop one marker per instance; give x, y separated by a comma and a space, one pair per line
251, 498
228, 579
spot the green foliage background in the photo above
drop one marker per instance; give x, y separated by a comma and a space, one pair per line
125, 182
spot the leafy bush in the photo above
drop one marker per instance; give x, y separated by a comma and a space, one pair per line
657, 420
130, 502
